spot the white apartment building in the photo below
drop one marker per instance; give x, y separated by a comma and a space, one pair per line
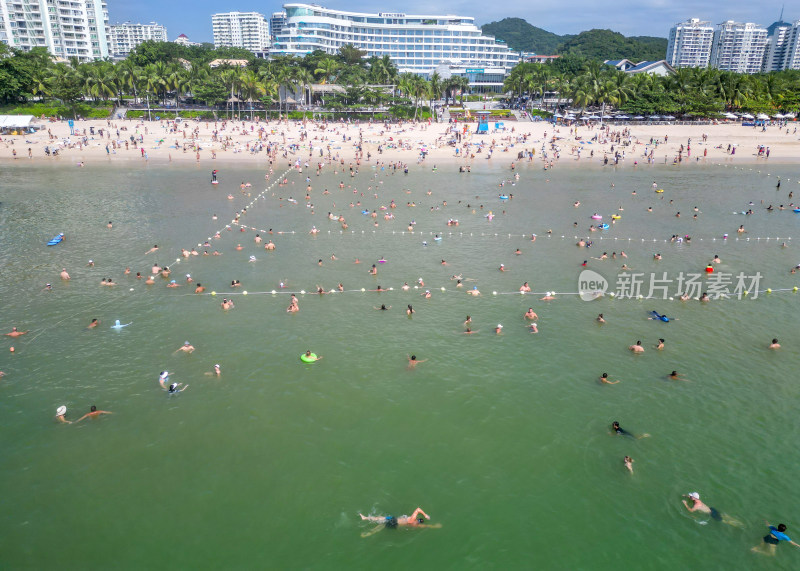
783, 48
739, 47
421, 44
67, 28
791, 58
125, 37
248, 30
690, 44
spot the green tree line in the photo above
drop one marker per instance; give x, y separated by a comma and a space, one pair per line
691, 92
165, 72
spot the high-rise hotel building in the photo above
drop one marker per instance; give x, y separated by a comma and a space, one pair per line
67, 28
689, 44
421, 44
125, 37
783, 46
248, 30
739, 47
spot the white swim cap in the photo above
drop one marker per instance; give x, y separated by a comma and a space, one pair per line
499, 326
61, 411
216, 366
163, 375
694, 496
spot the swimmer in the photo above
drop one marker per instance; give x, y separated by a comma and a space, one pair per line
427, 294
604, 379
95, 322
410, 310
547, 297
413, 361
151, 250
382, 307
64, 274
775, 344
628, 463
61, 415
474, 291
525, 288
469, 331
308, 355
199, 288
163, 378
518, 252
531, 314
676, 377
660, 345
600, 318
186, 348
499, 329
772, 539
269, 245
637, 348
175, 388
533, 328
149, 280
622, 432
502, 268
393, 522
699, 506
340, 287
93, 413
15, 332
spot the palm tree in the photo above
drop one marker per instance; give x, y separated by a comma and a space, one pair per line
230, 78
304, 79
435, 88
251, 88
327, 70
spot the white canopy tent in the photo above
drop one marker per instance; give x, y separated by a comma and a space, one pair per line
16, 121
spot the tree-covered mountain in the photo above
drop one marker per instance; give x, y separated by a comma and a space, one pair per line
605, 44
594, 44
521, 36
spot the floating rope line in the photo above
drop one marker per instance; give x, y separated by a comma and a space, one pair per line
611, 295
422, 234
252, 202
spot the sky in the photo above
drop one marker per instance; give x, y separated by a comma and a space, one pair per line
632, 18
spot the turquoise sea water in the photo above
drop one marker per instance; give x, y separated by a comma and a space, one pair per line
503, 439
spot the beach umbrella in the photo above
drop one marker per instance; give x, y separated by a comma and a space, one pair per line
654, 117
762, 117
607, 117
638, 118
789, 116
593, 117
778, 116
747, 116
622, 117
730, 116
668, 117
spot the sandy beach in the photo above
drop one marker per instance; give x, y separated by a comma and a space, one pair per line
235, 141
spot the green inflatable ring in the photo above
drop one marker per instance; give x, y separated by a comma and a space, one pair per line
308, 358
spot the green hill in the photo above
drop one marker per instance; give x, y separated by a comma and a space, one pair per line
605, 44
594, 44
521, 36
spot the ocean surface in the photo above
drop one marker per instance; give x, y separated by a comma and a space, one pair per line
503, 439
